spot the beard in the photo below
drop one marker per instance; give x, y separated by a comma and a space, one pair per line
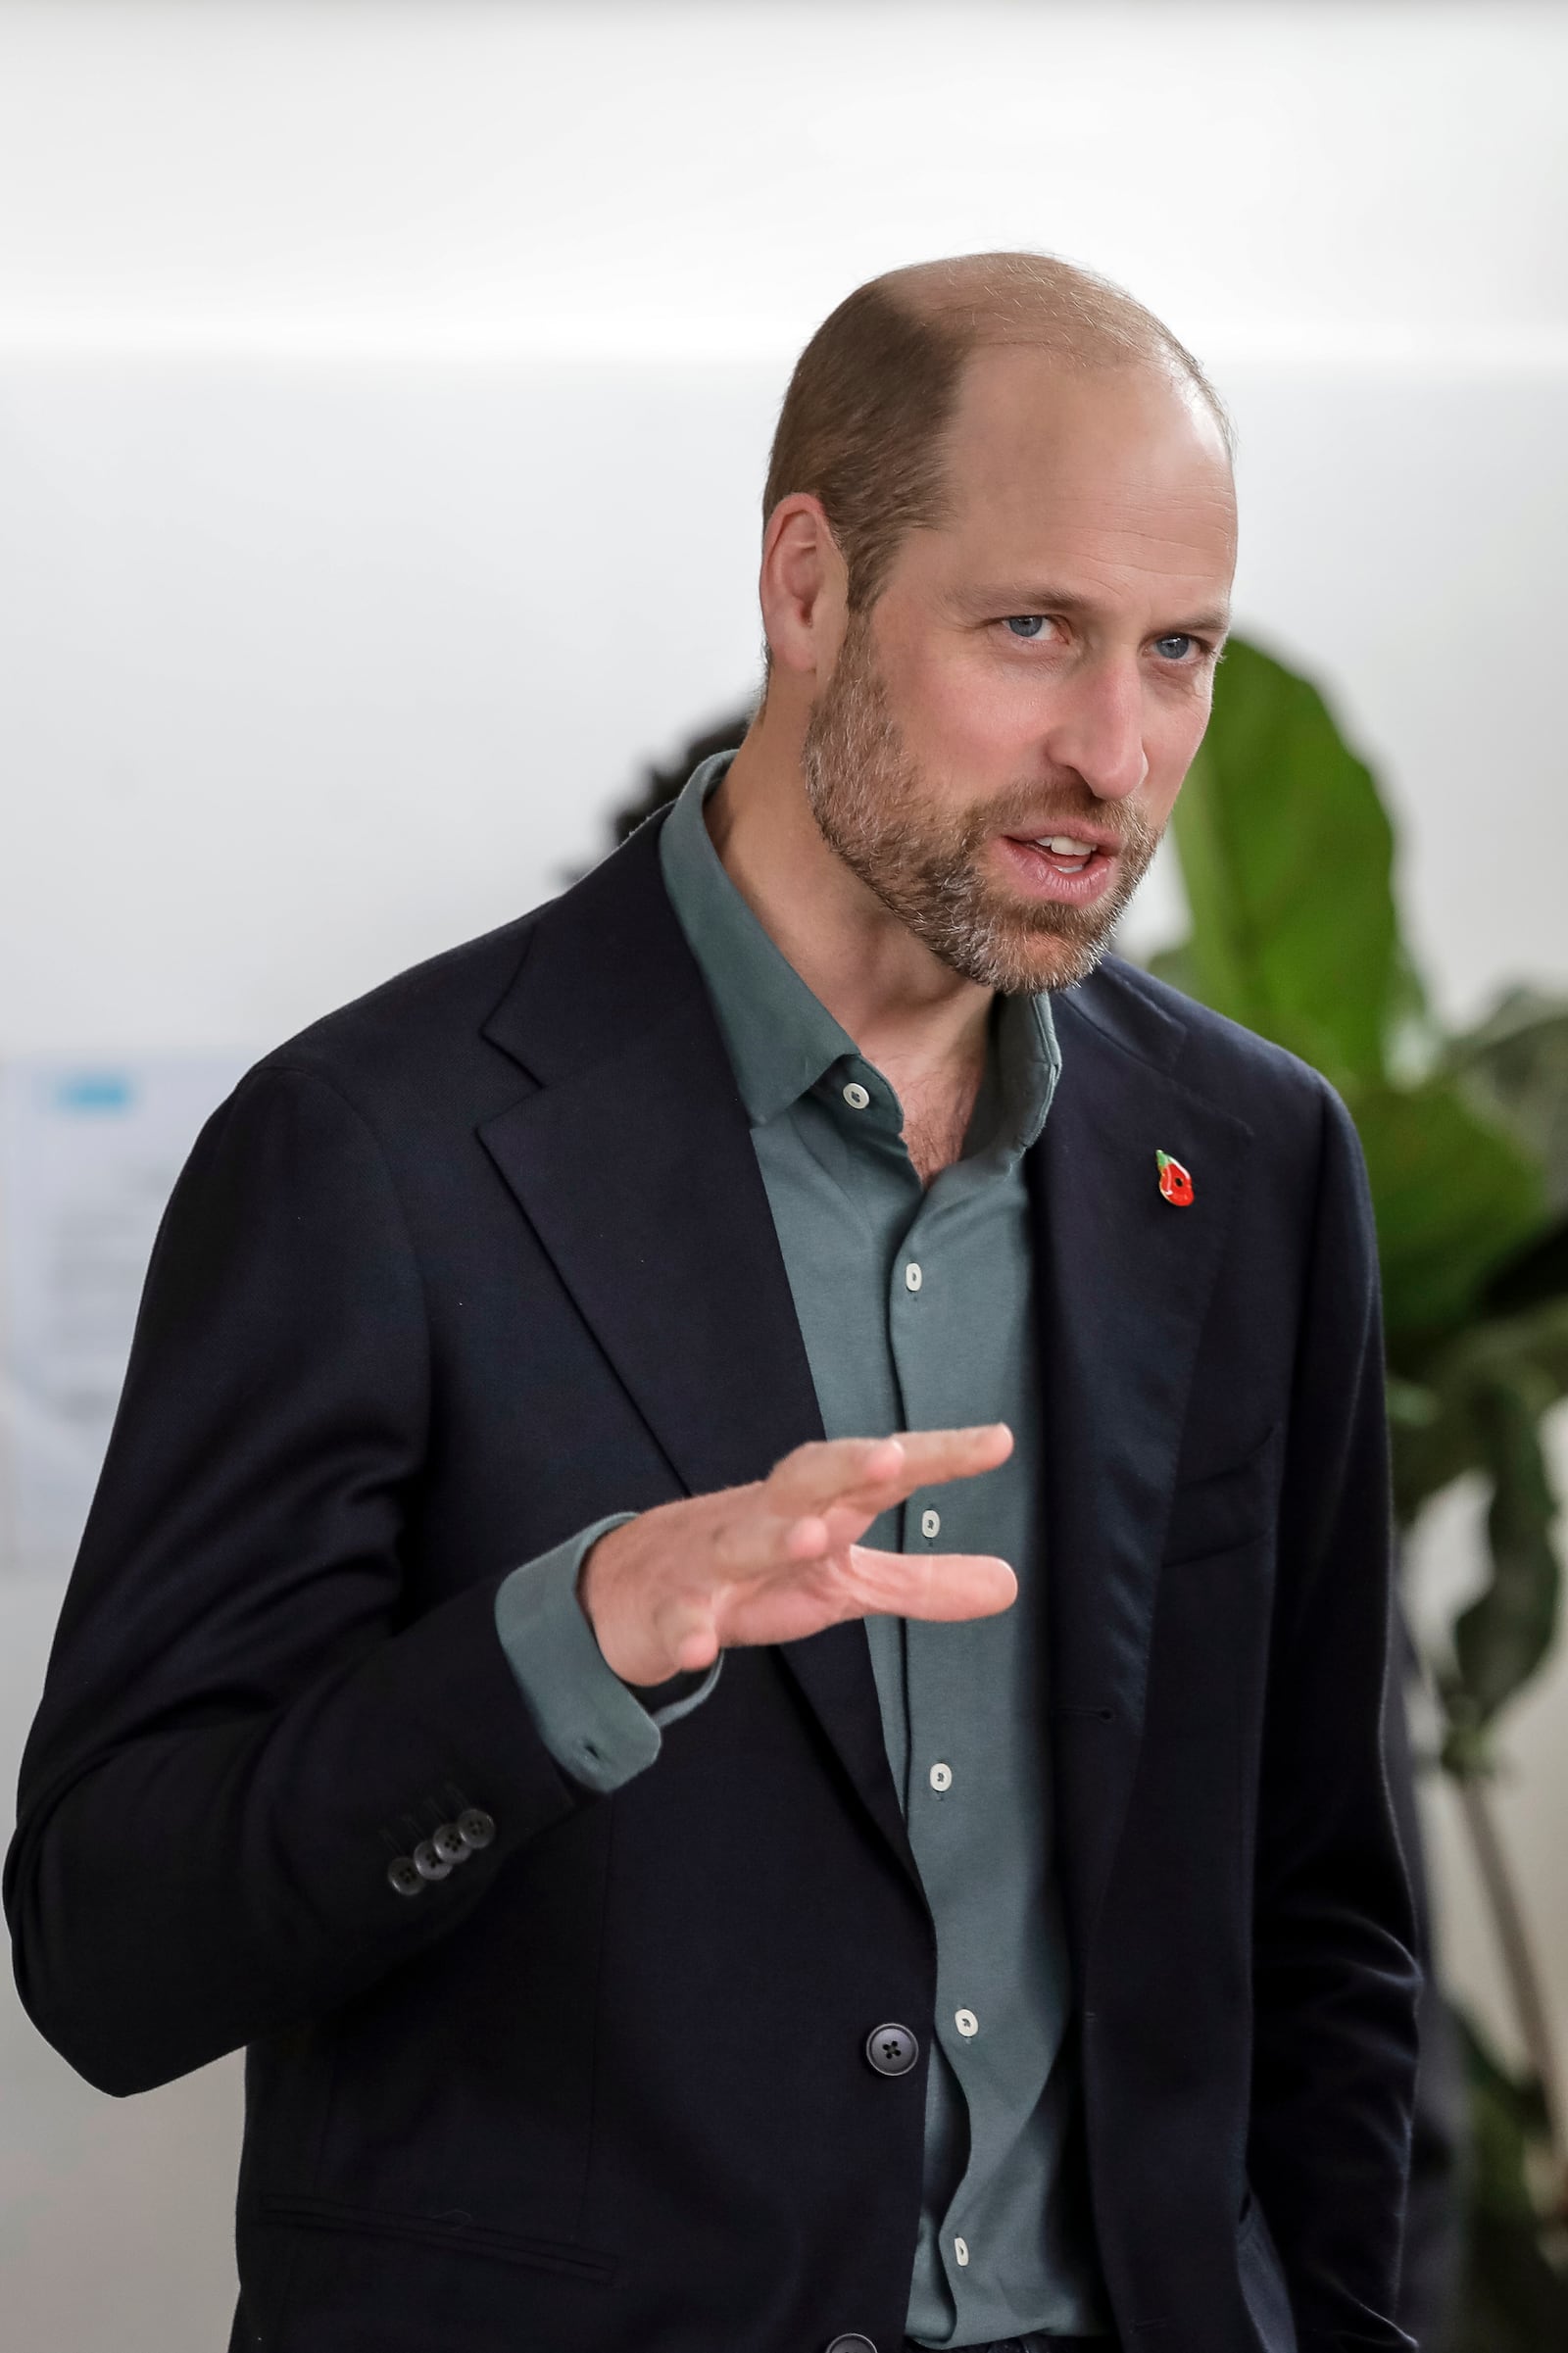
922, 858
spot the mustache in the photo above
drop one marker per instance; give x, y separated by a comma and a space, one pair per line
1032, 811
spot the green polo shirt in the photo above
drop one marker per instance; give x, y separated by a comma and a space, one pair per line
917, 1309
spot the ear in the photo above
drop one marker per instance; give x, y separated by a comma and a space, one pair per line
803, 588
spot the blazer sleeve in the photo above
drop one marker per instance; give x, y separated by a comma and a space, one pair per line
1335, 1983
241, 1727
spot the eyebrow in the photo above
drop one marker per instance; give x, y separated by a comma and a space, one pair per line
1008, 597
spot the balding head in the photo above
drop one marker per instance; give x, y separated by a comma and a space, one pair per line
868, 408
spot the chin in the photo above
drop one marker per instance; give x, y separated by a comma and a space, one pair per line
1023, 961
1063, 969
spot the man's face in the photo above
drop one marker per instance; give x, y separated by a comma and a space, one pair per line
1002, 737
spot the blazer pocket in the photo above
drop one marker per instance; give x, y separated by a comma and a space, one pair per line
457, 2234
1228, 1509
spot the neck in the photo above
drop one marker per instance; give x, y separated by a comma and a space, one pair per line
921, 1023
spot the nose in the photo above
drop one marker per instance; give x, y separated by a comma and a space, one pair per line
1098, 730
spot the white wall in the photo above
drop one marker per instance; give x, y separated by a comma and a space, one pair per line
383, 398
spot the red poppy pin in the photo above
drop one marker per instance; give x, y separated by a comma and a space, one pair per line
1174, 1182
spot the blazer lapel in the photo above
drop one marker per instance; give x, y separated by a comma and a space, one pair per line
1123, 1279
634, 1161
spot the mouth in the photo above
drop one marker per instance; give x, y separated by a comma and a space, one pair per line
1073, 869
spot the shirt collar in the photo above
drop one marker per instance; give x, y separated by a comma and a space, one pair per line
782, 1038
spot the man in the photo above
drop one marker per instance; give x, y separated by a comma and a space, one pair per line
694, 1868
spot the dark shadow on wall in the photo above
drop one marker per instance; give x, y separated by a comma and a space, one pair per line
660, 786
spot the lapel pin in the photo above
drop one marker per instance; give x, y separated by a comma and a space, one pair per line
1174, 1182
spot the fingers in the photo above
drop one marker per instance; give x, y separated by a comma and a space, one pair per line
939, 1587
778, 1560
873, 1474
862, 1585
782, 1523
689, 1635
799, 1513
815, 1477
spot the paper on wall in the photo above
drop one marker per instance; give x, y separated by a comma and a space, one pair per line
88, 1156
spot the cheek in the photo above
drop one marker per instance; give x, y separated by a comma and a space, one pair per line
961, 717
1172, 733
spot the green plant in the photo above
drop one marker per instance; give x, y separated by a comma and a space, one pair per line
1287, 855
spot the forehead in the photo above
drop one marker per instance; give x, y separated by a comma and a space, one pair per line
1122, 466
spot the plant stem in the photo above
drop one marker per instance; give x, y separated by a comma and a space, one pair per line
1518, 1961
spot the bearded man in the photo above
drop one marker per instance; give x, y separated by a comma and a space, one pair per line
737, 1611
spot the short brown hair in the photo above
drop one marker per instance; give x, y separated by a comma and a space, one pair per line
873, 391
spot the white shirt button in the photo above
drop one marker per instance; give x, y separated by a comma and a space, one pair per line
967, 2022
960, 2249
855, 1096
930, 1523
911, 1277
942, 1777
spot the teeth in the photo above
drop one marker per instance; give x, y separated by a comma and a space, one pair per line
1062, 845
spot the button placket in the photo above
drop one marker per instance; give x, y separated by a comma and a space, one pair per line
932, 1289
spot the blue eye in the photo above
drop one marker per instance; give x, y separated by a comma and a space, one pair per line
1176, 647
1026, 624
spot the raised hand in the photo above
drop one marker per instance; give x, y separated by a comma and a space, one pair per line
781, 1558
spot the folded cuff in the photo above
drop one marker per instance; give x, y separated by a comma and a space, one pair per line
592, 1724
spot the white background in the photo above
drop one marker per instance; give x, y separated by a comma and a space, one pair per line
384, 394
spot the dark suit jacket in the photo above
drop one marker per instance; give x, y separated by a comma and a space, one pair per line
487, 1256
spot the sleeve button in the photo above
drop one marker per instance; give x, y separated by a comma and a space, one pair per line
402, 1875
475, 1829
449, 1844
429, 1864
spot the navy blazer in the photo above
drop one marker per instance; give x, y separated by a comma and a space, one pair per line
487, 1256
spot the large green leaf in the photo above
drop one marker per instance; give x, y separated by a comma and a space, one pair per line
1454, 1198
1537, 1274
1432, 1442
1287, 855
1480, 1407
1437, 1421
1502, 1638
1515, 1066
